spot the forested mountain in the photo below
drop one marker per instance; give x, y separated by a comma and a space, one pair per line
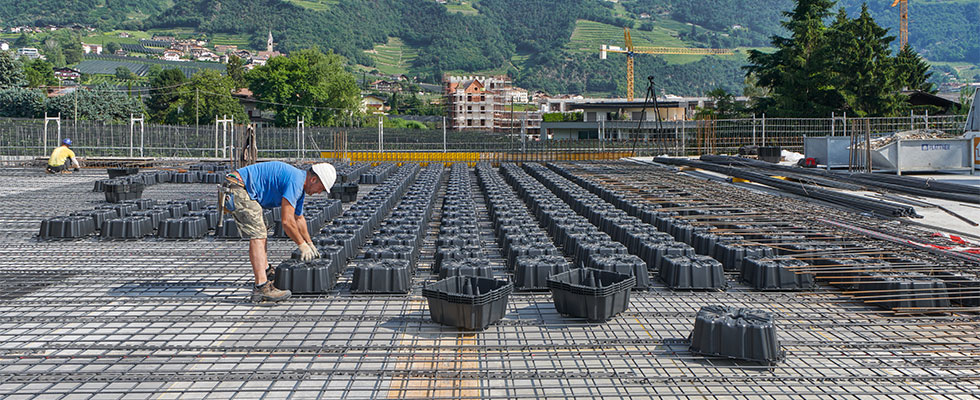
103, 14
544, 44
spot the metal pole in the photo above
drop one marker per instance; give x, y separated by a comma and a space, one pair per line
753, 130
130, 135
215, 136
197, 121
443, 134
224, 137
684, 137
763, 129
833, 124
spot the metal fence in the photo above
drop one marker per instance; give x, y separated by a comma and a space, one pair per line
37, 137
727, 135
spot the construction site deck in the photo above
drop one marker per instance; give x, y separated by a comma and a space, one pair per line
165, 319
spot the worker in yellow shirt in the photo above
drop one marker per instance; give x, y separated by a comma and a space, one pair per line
60, 157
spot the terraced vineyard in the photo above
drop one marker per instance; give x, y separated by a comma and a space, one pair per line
315, 5
394, 57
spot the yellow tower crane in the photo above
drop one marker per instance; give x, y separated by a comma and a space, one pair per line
903, 15
630, 50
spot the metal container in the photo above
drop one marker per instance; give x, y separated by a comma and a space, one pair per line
924, 155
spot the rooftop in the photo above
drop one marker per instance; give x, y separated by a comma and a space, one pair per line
157, 318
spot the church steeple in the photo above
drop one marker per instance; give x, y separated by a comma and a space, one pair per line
269, 43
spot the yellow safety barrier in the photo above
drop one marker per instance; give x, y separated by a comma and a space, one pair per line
471, 158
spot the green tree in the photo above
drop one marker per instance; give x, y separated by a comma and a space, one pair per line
52, 50
236, 71
100, 103
38, 73
11, 73
24, 40
796, 73
112, 47
912, 71
207, 95
18, 102
862, 67
123, 73
725, 105
165, 88
71, 46
308, 83
153, 71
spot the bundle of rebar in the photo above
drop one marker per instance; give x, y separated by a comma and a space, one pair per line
894, 183
862, 204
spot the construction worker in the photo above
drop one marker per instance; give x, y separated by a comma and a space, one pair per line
60, 157
269, 185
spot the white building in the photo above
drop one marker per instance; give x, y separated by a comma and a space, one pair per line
28, 52
92, 48
4, 46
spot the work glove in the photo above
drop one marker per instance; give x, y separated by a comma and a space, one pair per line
316, 251
307, 252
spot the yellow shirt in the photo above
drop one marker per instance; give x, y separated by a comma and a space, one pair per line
59, 155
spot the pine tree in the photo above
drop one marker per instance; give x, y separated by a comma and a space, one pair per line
912, 71
11, 73
864, 70
796, 71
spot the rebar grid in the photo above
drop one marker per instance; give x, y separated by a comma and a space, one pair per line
169, 319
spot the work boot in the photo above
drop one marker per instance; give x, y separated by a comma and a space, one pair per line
266, 294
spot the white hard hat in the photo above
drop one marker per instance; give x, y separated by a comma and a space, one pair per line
327, 174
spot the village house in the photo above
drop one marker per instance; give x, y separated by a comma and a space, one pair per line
382, 85
67, 74
92, 48
171, 55
372, 104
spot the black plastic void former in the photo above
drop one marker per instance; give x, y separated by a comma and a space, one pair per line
351, 173
594, 294
578, 237
894, 183
390, 268
862, 204
458, 247
676, 263
377, 174
341, 240
910, 291
468, 302
530, 253
738, 333
687, 271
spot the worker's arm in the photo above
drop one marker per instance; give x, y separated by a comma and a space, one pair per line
290, 225
303, 231
74, 160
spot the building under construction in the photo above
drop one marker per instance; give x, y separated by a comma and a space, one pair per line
487, 103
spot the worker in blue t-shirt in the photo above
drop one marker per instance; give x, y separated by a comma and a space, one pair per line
270, 185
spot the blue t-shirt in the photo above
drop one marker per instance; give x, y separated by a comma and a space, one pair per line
270, 182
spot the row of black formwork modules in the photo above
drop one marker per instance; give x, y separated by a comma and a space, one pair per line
390, 260
768, 257
466, 295
340, 241
572, 296
176, 219
636, 237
